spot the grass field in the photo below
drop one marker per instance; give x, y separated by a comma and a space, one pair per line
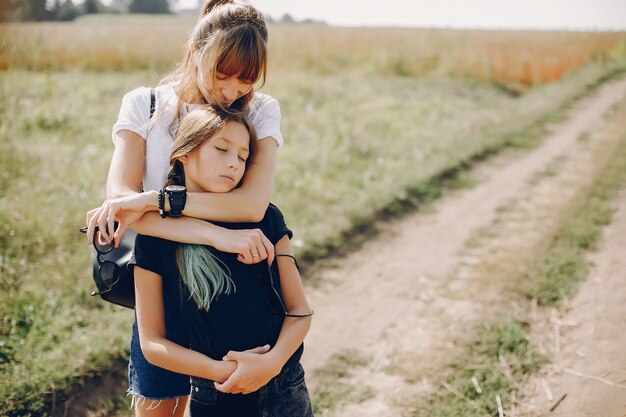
514, 59
363, 128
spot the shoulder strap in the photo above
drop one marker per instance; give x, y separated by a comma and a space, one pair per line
152, 102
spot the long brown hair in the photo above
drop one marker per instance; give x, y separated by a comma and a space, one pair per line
230, 38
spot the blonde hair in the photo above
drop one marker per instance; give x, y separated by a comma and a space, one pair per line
230, 38
199, 269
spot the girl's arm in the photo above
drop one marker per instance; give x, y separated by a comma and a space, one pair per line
157, 349
254, 370
160, 351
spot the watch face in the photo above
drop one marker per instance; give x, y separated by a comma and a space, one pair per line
175, 188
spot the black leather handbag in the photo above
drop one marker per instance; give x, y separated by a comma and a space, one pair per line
113, 267
113, 272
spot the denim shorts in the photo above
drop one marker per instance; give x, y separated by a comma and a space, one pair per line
284, 396
149, 381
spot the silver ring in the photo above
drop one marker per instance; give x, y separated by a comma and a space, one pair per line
255, 255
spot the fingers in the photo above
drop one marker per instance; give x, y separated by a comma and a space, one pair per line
92, 217
259, 349
269, 248
111, 224
258, 248
261, 252
102, 218
227, 386
230, 387
232, 355
119, 233
246, 257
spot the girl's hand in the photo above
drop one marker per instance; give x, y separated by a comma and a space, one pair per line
226, 368
251, 245
254, 370
125, 209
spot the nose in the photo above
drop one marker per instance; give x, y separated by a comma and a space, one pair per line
233, 90
234, 162
230, 94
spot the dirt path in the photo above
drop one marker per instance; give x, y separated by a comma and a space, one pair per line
588, 370
429, 279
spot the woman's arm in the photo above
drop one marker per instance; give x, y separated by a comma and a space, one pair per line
127, 165
124, 183
254, 371
244, 204
244, 242
157, 349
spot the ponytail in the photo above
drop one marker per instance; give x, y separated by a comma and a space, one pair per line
176, 175
209, 5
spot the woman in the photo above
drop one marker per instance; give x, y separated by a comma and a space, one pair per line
226, 56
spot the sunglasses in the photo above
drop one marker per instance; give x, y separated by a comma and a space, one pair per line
108, 272
275, 300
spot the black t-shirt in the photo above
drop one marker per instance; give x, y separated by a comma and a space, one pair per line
238, 321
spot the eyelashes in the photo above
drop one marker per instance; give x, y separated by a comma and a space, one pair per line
241, 158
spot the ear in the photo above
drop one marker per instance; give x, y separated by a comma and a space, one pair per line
183, 159
193, 48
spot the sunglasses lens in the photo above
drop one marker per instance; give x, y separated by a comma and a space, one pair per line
108, 273
101, 245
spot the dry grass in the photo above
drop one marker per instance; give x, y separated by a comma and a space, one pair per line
515, 60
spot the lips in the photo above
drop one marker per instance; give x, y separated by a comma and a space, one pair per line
228, 177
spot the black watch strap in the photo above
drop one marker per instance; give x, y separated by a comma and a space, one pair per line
177, 199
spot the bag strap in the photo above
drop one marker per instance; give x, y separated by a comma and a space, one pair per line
152, 102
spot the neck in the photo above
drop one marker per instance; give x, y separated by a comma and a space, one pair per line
192, 187
190, 97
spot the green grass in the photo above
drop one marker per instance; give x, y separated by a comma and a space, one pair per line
564, 266
357, 148
499, 358
333, 387
438, 134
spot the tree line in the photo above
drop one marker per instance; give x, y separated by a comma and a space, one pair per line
66, 10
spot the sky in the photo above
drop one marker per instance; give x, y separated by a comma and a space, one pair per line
514, 14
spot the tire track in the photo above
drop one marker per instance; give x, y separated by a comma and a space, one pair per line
404, 297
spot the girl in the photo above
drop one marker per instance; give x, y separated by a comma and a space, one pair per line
226, 56
223, 308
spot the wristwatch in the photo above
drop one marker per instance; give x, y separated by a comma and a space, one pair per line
177, 196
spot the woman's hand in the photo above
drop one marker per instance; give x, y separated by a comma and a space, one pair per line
254, 370
250, 245
126, 210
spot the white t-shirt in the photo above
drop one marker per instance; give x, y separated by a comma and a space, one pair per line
263, 112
